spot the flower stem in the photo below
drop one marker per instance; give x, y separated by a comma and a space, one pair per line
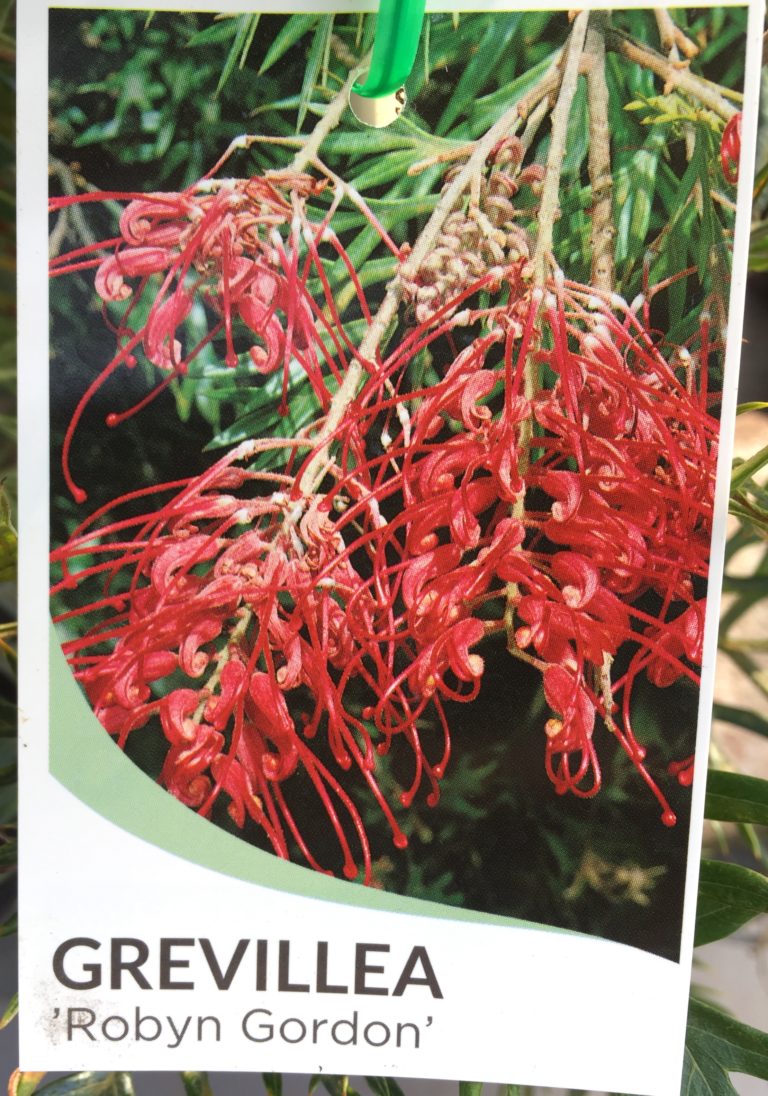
550, 205
340, 102
673, 75
600, 177
670, 35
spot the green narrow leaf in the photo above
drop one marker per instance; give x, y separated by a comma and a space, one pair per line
733, 797
754, 405
707, 225
758, 246
338, 1086
221, 31
8, 854
273, 1083
5, 11
383, 169
470, 1088
716, 1044
23, 1084
390, 214
753, 587
249, 39
8, 539
746, 469
8, 928
742, 717
425, 46
729, 896
11, 1012
677, 243
643, 189
487, 108
481, 66
294, 29
89, 1084
314, 61
761, 181
265, 420
384, 1086
233, 56
326, 58
196, 1084
366, 142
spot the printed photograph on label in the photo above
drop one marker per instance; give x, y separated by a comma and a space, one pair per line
383, 460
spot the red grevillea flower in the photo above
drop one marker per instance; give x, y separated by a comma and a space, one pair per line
730, 149
569, 733
244, 249
257, 603
621, 499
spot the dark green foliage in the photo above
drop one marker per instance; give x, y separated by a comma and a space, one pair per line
729, 896
732, 797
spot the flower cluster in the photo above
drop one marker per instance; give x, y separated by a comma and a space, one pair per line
284, 630
487, 240
234, 246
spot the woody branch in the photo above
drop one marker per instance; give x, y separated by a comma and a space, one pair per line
673, 75
600, 176
550, 196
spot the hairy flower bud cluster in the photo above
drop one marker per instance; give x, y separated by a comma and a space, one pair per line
487, 239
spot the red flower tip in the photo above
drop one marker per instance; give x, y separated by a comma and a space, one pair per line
730, 150
683, 770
